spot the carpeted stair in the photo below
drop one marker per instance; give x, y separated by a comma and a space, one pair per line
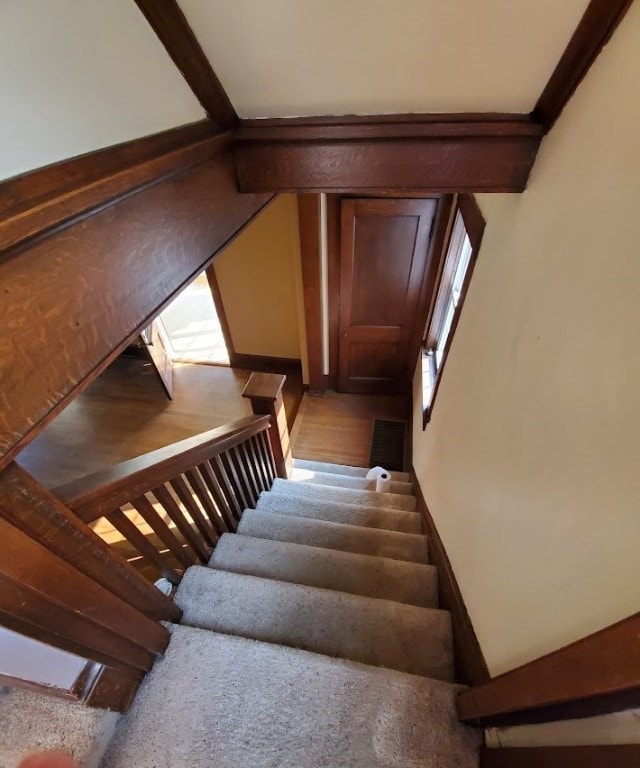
313, 638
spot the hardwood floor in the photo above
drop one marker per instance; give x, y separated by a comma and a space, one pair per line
338, 427
124, 414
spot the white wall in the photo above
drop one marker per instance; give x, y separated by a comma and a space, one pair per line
531, 462
372, 56
37, 662
79, 75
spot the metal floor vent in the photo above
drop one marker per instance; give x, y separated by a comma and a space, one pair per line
387, 444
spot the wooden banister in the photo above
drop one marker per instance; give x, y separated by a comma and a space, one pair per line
593, 676
92, 496
187, 495
264, 390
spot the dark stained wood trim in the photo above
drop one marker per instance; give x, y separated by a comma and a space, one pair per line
113, 689
603, 756
309, 222
474, 223
598, 23
400, 126
40, 515
593, 676
173, 30
132, 260
471, 667
36, 203
265, 364
333, 247
218, 303
409, 165
30, 685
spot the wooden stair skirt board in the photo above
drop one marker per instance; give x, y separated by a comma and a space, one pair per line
470, 664
605, 756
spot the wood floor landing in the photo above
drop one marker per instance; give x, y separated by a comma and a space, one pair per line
124, 413
337, 428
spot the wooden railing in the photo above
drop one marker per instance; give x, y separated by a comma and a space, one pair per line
188, 494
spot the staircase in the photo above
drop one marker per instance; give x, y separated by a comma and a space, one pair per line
312, 638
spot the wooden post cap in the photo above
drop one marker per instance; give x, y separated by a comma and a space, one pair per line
264, 386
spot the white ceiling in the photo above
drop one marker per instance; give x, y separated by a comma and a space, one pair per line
279, 58
78, 75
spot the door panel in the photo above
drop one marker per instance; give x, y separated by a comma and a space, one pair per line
156, 348
384, 247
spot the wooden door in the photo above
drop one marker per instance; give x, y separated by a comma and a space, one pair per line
156, 346
383, 263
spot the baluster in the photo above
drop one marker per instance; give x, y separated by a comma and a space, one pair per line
121, 523
220, 471
217, 493
256, 458
234, 477
243, 473
268, 454
250, 464
195, 480
162, 530
170, 506
189, 503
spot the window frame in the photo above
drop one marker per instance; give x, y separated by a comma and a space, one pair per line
466, 206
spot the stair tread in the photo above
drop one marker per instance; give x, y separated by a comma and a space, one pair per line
340, 512
366, 575
322, 533
344, 469
365, 629
300, 475
214, 699
34, 722
349, 495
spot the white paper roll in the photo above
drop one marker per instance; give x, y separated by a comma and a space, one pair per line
382, 479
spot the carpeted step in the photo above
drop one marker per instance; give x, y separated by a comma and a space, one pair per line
218, 700
346, 495
34, 722
348, 538
379, 632
299, 475
380, 577
343, 469
338, 512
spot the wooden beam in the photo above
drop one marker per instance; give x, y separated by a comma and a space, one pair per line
170, 25
378, 154
72, 301
35, 203
471, 667
603, 756
593, 676
597, 25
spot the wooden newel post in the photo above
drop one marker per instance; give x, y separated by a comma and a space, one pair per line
264, 390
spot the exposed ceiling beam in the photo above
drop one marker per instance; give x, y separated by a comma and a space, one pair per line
43, 200
401, 153
592, 33
171, 26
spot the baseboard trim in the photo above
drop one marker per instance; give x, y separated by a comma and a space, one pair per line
266, 364
605, 756
470, 664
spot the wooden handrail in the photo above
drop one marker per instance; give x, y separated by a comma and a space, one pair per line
92, 496
595, 675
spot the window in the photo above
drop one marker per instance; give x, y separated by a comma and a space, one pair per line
461, 246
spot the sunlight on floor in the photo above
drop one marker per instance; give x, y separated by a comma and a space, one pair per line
193, 326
